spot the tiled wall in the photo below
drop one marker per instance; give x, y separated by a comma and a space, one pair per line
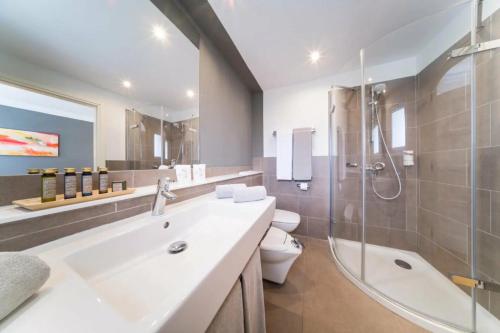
444, 164
312, 205
27, 233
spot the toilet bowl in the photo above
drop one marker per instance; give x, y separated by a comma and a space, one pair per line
278, 252
285, 220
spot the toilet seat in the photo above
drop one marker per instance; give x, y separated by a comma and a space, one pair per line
285, 220
278, 252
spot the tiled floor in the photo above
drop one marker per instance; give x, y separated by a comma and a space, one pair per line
317, 298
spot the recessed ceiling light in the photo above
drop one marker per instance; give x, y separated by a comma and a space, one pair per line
190, 93
314, 56
159, 32
127, 84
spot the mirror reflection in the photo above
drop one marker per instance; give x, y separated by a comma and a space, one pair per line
98, 90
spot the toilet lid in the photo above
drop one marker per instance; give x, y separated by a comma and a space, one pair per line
275, 240
285, 216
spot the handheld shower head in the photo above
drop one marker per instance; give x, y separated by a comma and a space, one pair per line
379, 88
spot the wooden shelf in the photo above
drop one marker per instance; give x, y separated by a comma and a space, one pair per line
37, 204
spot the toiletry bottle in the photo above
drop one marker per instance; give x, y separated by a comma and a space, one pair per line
103, 180
49, 185
69, 183
86, 181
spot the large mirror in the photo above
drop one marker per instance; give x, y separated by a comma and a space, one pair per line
95, 83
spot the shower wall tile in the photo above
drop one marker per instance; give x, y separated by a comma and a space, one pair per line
400, 91
485, 122
448, 167
448, 234
487, 73
485, 208
441, 259
495, 123
488, 162
447, 200
495, 213
488, 249
444, 134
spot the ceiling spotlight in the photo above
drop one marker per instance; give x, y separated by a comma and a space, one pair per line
314, 56
127, 84
159, 32
190, 93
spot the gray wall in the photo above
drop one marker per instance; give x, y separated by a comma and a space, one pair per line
76, 140
225, 111
257, 124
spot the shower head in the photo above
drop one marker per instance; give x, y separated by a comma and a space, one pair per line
140, 126
379, 88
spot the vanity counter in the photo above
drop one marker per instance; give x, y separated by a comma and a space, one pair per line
120, 277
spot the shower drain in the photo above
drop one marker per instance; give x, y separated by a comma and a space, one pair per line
402, 264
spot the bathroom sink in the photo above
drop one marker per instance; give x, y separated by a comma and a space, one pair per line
135, 274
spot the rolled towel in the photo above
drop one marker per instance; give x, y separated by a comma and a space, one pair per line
226, 191
21, 275
253, 193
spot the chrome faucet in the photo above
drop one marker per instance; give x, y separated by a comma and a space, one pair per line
163, 194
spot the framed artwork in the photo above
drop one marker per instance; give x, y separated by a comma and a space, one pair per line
15, 142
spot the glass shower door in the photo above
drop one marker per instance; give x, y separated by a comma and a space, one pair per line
487, 137
345, 176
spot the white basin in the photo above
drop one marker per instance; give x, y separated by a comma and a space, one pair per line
126, 280
135, 273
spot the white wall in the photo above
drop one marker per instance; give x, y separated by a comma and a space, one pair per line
110, 136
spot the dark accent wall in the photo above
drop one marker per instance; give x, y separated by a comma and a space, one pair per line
257, 124
225, 112
76, 140
231, 108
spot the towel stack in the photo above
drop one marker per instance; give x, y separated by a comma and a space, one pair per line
240, 192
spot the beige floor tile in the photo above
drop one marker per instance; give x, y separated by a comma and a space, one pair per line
317, 298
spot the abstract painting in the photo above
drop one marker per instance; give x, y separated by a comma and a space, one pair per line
15, 142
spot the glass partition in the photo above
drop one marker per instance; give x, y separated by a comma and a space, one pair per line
425, 177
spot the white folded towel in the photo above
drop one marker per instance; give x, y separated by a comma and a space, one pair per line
21, 275
253, 193
226, 191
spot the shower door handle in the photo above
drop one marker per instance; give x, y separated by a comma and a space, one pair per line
475, 283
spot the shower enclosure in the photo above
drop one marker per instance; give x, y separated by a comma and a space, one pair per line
414, 150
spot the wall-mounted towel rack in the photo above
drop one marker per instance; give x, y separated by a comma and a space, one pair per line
313, 130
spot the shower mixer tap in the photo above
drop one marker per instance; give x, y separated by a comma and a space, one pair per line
376, 167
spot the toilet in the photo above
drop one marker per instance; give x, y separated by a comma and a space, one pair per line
285, 220
278, 252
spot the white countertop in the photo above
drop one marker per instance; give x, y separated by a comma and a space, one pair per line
13, 213
120, 278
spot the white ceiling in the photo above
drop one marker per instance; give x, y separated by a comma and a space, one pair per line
275, 36
104, 42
